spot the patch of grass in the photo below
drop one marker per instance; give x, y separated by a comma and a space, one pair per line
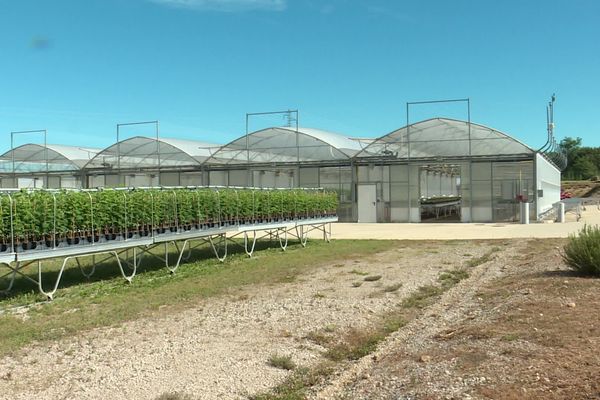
372, 278
296, 386
422, 297
451, 278
393, 322
319, 295
428, 294
106, 300
174, 396
356, 344
281, 362
357, 284
475, 261
357, 272
318, 337
392, 288
510, 337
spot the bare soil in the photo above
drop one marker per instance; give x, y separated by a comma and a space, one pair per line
521, 326
582, 188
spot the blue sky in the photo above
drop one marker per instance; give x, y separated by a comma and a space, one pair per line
79, 67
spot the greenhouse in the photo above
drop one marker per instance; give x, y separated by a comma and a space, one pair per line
49, 166
439, 169
145, 161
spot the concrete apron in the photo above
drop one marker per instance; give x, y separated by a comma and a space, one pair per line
452, 231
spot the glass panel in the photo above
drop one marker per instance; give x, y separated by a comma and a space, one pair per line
238, 178
309, 177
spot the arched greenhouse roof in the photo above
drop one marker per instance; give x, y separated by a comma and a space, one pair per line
33, 157
444, 137
141, 151
285, 144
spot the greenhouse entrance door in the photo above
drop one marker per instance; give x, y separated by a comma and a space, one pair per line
439, 193
367, 203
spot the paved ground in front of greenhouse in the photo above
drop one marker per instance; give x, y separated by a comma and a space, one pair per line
448, 231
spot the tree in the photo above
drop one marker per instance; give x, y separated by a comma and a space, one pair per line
583, 168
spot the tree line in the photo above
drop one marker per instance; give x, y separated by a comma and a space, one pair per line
583, 162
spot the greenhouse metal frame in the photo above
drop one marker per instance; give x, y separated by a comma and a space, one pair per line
394, 178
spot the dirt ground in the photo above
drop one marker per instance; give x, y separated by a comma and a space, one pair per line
582, 188
520, 326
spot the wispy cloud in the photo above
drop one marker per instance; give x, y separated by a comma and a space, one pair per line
225, 5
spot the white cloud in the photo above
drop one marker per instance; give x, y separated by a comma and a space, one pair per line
225, 5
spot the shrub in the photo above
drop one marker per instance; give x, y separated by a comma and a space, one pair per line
281, 362
582, 251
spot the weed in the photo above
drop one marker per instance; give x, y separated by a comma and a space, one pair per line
357, 272
392, 288
422, 297
295, 387
356, 344
475, 261
372, 278
281, 362
173, 396
357, 284
451, 278
318, 337
319, 295
510, 337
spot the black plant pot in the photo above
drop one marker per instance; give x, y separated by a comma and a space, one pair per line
129, 235
91, 238
73, 240
30, 245
173, 229
3, 247
49, 243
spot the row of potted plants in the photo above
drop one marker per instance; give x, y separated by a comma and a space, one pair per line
49, 218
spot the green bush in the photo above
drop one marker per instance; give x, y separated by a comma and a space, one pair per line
582, 252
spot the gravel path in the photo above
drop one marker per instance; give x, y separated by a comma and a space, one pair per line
219, 348
402, 362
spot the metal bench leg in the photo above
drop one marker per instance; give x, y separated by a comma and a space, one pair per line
223, 237
50, 295
249, 252
285, 242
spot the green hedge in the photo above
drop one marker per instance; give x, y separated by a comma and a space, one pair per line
44, 215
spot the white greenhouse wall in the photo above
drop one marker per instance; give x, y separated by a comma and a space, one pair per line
547, 184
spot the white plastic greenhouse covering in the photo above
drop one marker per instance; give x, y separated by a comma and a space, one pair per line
140, 152
287, 145
443, 137
33, 158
